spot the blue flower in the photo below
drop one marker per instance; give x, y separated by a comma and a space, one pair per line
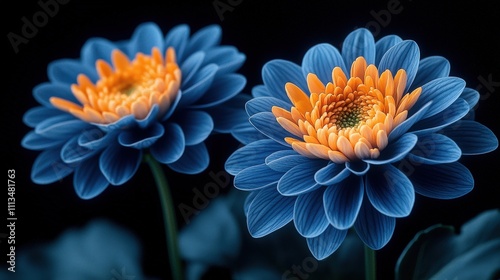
347, 138
99, 250
162, 94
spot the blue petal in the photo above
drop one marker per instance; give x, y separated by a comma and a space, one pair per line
284, 160
404, 55
453, 113
35, 115
434, 149
204, 39
442, 92
223, 88
471, 96
266, 123
145, 37
265, 104
170, 146
94, 138
177, 38
141, 138
395, 151
190, 67
226, 57
309, 214
95, 49
320, 60
196, 125
331, 174
124, 122
34, 141
66, 70
194, 160
431, 68
151, 118
276, 73
343, 200
246, 133
173, 106
71, 152
248, 201
118, 164
442, 181
250, 155
261, 91
390, 191
360, 42
384, 44
228, 115
358, 168
256, 177
60, 127
472, 137
49, 168
202, 81
403, 127
373, 227
212, 237
300, 179
326, 243
269, 212
88, 179
43, 92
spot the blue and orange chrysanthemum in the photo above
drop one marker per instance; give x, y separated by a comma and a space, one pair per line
347, 138
155, 93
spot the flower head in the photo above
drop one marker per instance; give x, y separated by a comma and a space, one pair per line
164, 94
347, 138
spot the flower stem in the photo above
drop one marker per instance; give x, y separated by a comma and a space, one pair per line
370, 271
168, 216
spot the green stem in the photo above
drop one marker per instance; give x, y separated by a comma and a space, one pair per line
168, 216
370, 270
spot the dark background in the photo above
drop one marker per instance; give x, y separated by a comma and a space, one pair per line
464, 32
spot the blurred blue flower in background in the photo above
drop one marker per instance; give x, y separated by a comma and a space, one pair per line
346, 139
214, 246
99, 250
165, 93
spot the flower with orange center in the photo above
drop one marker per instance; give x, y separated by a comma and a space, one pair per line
132, 87
331, 149
346, 119
155, 93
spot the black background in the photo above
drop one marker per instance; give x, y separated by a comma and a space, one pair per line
466, 33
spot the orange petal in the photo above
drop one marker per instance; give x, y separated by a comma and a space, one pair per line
399, 84
289, 126
314, 84
120, 60
358, 67
318, 150
63, 104
299, 99
337, 157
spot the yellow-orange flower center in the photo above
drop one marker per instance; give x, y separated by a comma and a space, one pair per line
346, 119
129, 87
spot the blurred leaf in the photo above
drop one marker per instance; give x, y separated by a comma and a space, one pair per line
439, 252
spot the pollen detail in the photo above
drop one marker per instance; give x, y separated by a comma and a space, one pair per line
126, 88
346, 119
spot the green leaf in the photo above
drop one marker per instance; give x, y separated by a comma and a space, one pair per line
439, 252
